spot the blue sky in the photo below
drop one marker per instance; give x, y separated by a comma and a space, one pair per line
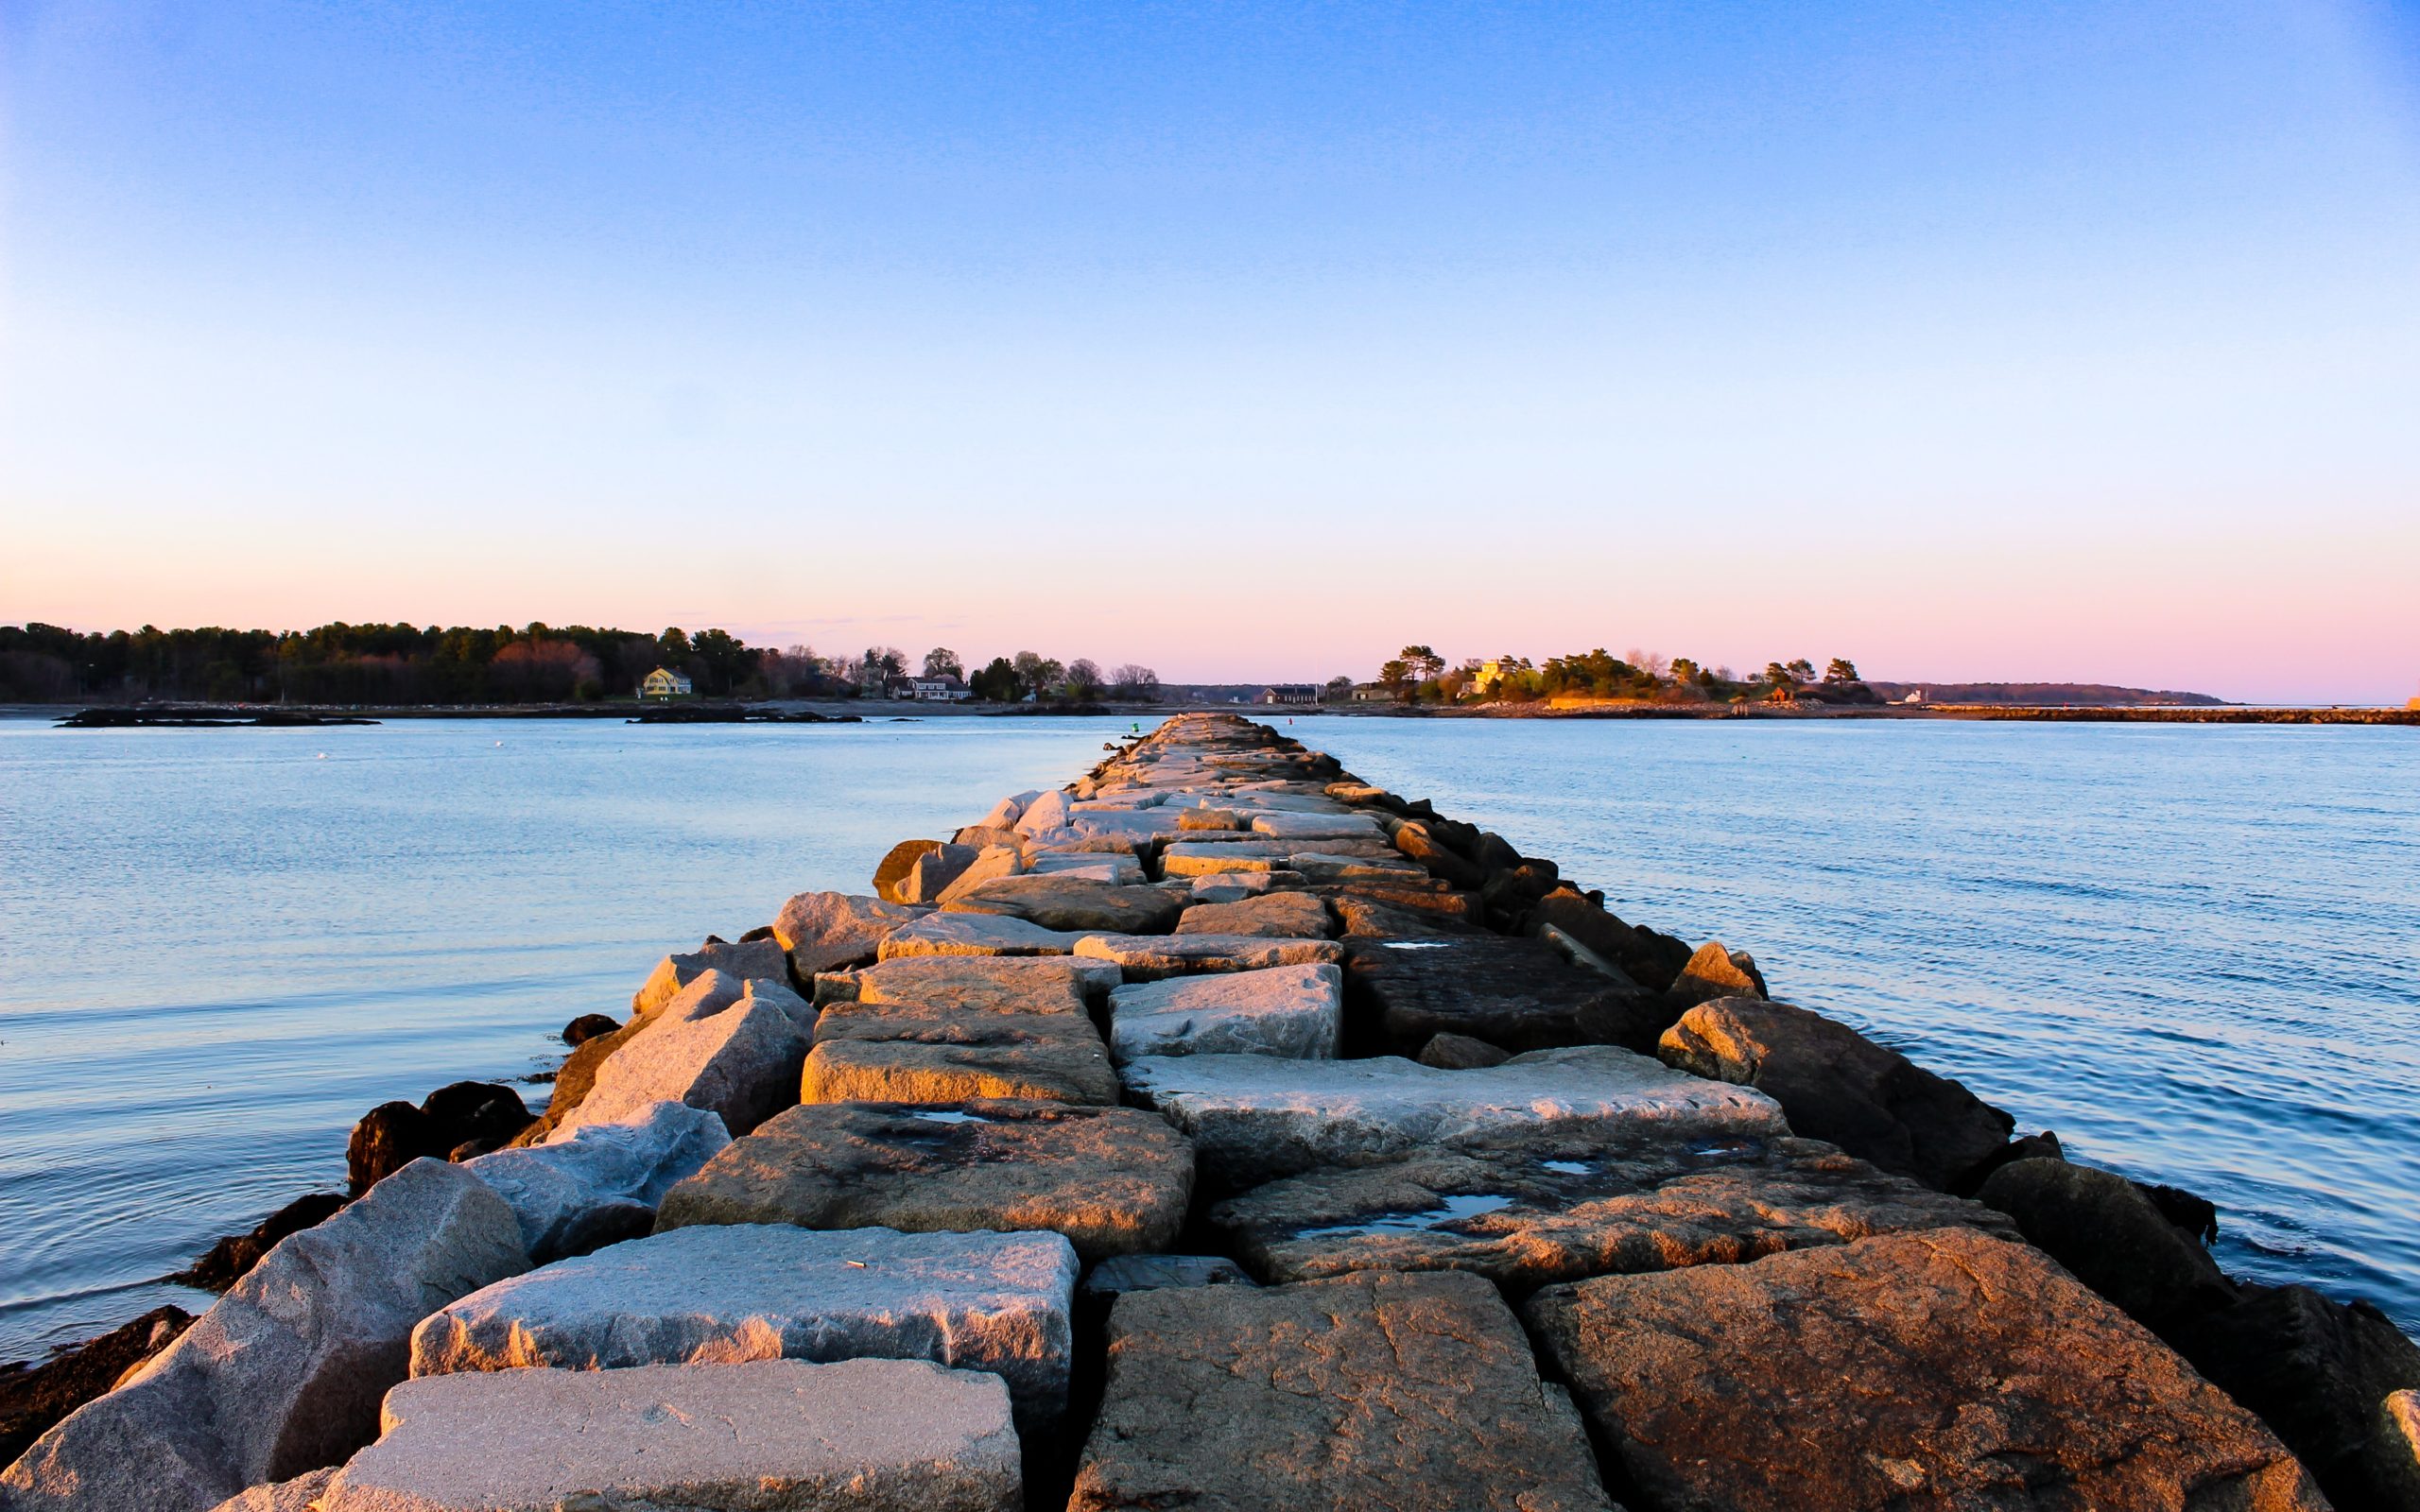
2023, 341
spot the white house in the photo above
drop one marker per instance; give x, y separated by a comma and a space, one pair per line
663, 683
947, 687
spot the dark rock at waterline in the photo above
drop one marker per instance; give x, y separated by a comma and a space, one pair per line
588, 1026
2197, 1216
1415, 841
2318, 1373
33, 1397
2041, 1146
760, 932
1652, 959
231, 1257
2113, 1237
1835, 1084
393, 1135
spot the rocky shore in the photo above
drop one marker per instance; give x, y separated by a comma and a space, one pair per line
1221, 1131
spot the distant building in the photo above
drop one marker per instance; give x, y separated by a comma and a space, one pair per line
663, 683
899, 685
1918, 697
1375, 692
946, 688
1290, 692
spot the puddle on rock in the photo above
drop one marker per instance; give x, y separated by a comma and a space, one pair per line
1568, 1167
945, 1117
1454, 1210
1418, 944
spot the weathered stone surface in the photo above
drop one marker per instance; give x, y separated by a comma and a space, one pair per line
1233, 886
1090, 866
766, 1435
2399, 1448
1146, 957
1212, 860
719, 1294
1210, 819
997, 984
1403, 1392
1287, 915
1940, 1369
756, 957
1115, 1180
939, 1053
1047, 812
1329, 866
1835, 1084
1119, 1274
1417, 841
1369, 918
741, 1063
1714, 971
991, 863
1518, 994
284, 1373
1345, 826
934, 871
895, 866
2109, 1235
1550, 1209
2318, 1373
1005, 812
1279, 1010
824, 930
1460, 1052
1652, 960
1055, 900
1255, 1118
959, 933
301, 1494
601, 1183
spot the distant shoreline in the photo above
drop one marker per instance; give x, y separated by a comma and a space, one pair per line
786, 711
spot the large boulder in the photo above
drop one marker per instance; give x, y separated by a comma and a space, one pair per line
2111, 1237
824, 930
34, 1397
284, 1373
1537, 1209
742, 1063
1278, 1010
964, 934
934, 871
996, 984
1115, 1180
1047, 811
895, 866
2320, 1373
991, 863
1300, 827
601, 1182
1421, 844
1835, 1084
1056, 901
754, 957
977, 1301
1715, 972
1412, 1393
1518, 994
942, 1052
1940, 1369
856, 1436
1651, 959
1148, 957
1285, 914
1255, 1118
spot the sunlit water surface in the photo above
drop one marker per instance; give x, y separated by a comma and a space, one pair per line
2189, 949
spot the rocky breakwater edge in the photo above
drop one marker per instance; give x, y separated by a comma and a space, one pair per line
1223, 1132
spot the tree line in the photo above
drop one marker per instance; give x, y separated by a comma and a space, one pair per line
406, 664
1418, 675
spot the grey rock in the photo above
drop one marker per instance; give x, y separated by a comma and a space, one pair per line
285, 1374
296, 1495
1460, 1052
934, 870
823, 930
741, 1063
1115, 1180
1119, 1274
717, 1295
1412, 1393
995, 984
961, 933
940, 1052
1287, 915
1056, 901
766, 1435
756, 957
1255, 1118
1538, 1210
1278, 1010
600, 1182
1147, 957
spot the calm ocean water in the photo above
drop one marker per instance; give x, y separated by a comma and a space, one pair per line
2189, 949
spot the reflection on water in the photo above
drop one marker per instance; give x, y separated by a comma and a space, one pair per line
2191, 950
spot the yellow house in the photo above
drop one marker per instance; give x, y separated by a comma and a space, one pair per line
663, 683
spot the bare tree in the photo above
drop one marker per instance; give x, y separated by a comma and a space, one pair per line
1135, 682
1083, 677
940, 661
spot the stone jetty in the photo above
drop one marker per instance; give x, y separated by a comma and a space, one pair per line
1224, 1132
